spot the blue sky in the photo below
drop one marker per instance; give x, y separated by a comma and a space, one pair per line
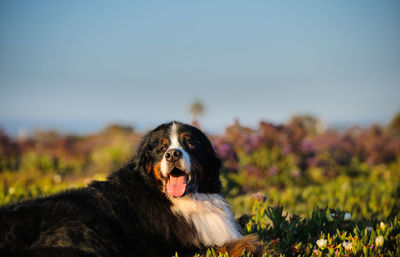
77, 65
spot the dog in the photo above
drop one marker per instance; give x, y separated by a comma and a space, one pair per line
165, 200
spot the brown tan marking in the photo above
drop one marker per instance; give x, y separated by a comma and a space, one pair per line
185, 135
164, 141
148, 167
249, 244
157, 175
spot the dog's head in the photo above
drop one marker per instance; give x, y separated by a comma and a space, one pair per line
180, 160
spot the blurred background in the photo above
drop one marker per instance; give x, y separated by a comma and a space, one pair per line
78, 65
300, 99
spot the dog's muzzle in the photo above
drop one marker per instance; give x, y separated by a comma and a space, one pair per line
175, 170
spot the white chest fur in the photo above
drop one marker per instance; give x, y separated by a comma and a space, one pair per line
211, 217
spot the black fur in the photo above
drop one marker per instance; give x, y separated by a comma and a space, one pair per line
127, 215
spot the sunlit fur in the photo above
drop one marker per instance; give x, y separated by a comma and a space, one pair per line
211, 217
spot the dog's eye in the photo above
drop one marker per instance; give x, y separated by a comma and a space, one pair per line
187, 141
189, 144
163, 148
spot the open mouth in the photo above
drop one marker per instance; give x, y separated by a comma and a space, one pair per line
176, 183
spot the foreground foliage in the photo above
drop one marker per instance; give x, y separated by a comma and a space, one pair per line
327, 232
277, 176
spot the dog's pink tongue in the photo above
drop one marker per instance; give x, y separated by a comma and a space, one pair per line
176, 186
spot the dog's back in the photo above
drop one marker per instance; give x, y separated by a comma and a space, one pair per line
75, 221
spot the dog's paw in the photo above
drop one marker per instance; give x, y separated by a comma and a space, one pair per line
249, 244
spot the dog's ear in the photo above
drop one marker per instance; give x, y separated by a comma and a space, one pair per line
217, 164
209, 180
142, 158
216, 168
215, 161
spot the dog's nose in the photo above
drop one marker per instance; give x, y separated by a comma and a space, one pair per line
173, 155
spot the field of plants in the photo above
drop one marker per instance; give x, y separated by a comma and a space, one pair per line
304, 191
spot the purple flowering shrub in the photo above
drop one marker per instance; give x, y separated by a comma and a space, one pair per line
296, 154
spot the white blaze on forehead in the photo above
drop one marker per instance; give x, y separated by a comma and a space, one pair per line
174, 137
184, 162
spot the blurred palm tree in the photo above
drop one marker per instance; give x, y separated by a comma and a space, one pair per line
308, 123
196, 110
394, 126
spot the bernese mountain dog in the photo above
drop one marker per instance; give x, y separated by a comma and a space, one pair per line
165, 200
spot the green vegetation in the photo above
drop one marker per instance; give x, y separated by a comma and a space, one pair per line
303, 190
373, 193
325, 232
